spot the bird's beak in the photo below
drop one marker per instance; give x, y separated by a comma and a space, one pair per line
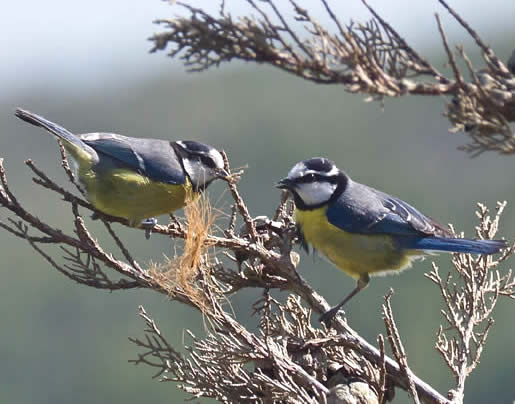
222, 173
285, 183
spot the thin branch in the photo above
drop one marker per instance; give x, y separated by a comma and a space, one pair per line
369, 58
397, 346
452, 60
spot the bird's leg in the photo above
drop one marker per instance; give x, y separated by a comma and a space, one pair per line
360, 284
148, 225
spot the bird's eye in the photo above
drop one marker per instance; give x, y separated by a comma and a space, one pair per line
310, 177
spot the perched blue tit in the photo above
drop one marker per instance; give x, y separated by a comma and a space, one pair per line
136, 178
364, 231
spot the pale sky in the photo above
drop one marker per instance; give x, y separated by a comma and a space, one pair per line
87, 44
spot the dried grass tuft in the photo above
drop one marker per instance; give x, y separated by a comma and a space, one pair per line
189, 274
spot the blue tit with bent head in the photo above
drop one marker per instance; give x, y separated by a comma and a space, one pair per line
364, 231
136, 178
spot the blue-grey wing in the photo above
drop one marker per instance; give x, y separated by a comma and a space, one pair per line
404, 218
361, 209
152, 158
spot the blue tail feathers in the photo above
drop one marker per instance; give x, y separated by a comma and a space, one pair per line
53, 128
459, 245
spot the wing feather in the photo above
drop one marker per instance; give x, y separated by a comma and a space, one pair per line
365, 210
153, 158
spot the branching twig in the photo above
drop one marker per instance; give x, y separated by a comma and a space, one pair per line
369, 58
397, 346
287, 358
202, 282
470, 296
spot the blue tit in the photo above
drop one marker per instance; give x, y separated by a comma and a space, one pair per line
136, 178
364, 231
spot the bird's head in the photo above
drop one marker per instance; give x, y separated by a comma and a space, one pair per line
314, 182
202, 163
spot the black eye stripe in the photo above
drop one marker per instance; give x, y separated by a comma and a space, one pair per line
207, 160
313, 177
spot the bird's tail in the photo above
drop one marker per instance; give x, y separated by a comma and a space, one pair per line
460, 245
73, 144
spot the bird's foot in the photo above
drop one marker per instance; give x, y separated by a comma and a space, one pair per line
148, 225
329, 315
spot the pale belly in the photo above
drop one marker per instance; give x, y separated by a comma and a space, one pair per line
132, 196
356, 254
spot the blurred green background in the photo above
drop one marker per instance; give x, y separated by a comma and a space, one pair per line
85, 66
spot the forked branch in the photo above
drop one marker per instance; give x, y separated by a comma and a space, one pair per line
369, 58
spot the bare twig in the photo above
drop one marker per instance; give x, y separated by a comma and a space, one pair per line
369, 58
242, 208
287, 358
470, 295
397, 347
272, 258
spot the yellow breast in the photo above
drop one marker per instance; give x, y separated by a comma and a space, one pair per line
127, 194
356, 254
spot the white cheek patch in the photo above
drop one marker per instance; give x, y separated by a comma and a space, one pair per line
315, 193
217, 157
198, 173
